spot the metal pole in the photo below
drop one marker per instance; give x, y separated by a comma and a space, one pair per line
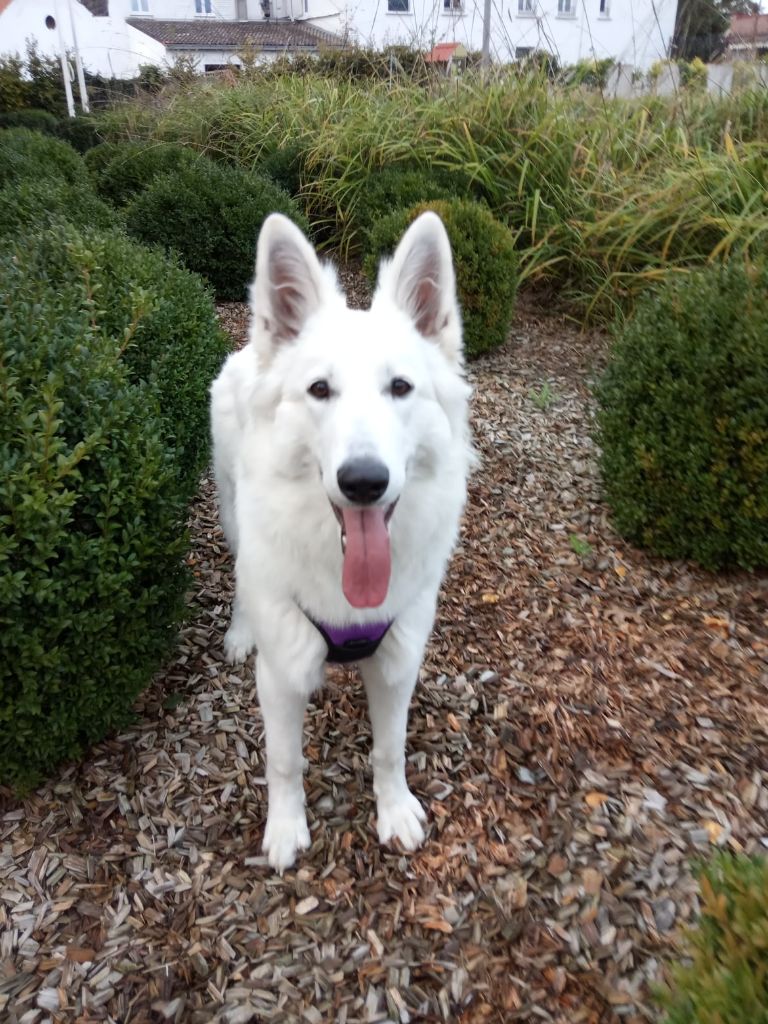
65, 66
78, 64
486, 58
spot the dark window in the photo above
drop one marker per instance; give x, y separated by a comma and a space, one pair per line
397, 6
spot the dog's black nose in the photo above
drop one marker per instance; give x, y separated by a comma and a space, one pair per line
363, 480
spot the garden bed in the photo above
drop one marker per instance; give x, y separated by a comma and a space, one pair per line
589, 721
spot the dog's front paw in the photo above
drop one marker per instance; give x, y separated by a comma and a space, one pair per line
283, 838
238, 643
401, 818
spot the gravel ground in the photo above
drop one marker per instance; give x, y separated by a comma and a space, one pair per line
589, 721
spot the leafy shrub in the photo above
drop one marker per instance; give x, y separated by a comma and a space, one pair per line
28, 154
210, 214
35, 120
400, 188
37, 203
165, 322
135, 165
98, 158
81, 132
284, 166
485, 260
726, 981
91, 518
683, 419
592, 73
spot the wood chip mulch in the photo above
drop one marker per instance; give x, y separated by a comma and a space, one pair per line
589, 722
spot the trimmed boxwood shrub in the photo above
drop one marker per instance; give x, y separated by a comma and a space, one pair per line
485, 260
98, 159
726, 979
135, 165
36, 120
82, 132
399, 187
165, 324
211, 215
284, 166
91, 522
28, 154
40, 202
683, 419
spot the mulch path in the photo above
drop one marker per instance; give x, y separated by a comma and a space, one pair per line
589, 722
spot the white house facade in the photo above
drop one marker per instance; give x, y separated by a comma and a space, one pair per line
115, 37
108, 45
636, 32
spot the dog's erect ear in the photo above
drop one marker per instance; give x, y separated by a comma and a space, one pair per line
289, 284
420, 280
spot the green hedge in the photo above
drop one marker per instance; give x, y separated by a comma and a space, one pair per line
135, 165
29, 154
284, 167
91, 517
399, 188
35, 120
165, 322
211, 215
81, 132
683, 419
726, 979
485, 260
31, 203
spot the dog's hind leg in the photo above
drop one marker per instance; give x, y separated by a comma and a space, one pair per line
390, 678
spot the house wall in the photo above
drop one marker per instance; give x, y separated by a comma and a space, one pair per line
173, 10
107, 45
631, 32
224, 58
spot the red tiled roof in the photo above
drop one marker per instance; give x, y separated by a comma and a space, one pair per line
235, 35
441, 52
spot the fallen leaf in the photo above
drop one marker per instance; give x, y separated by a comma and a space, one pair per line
437, 924
595, 799
556, 864
592, 881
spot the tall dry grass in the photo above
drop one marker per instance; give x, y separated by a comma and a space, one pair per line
602, 196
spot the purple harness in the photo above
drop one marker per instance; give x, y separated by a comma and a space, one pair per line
351, 643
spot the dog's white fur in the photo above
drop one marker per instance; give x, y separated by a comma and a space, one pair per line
277, 450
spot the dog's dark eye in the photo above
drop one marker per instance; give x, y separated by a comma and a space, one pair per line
320, 389
400, 387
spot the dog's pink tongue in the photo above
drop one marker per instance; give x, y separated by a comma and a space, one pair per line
367, 561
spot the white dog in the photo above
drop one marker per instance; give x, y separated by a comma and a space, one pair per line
341, 456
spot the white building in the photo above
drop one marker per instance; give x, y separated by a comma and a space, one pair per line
116, 36
108, 45
636, 32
